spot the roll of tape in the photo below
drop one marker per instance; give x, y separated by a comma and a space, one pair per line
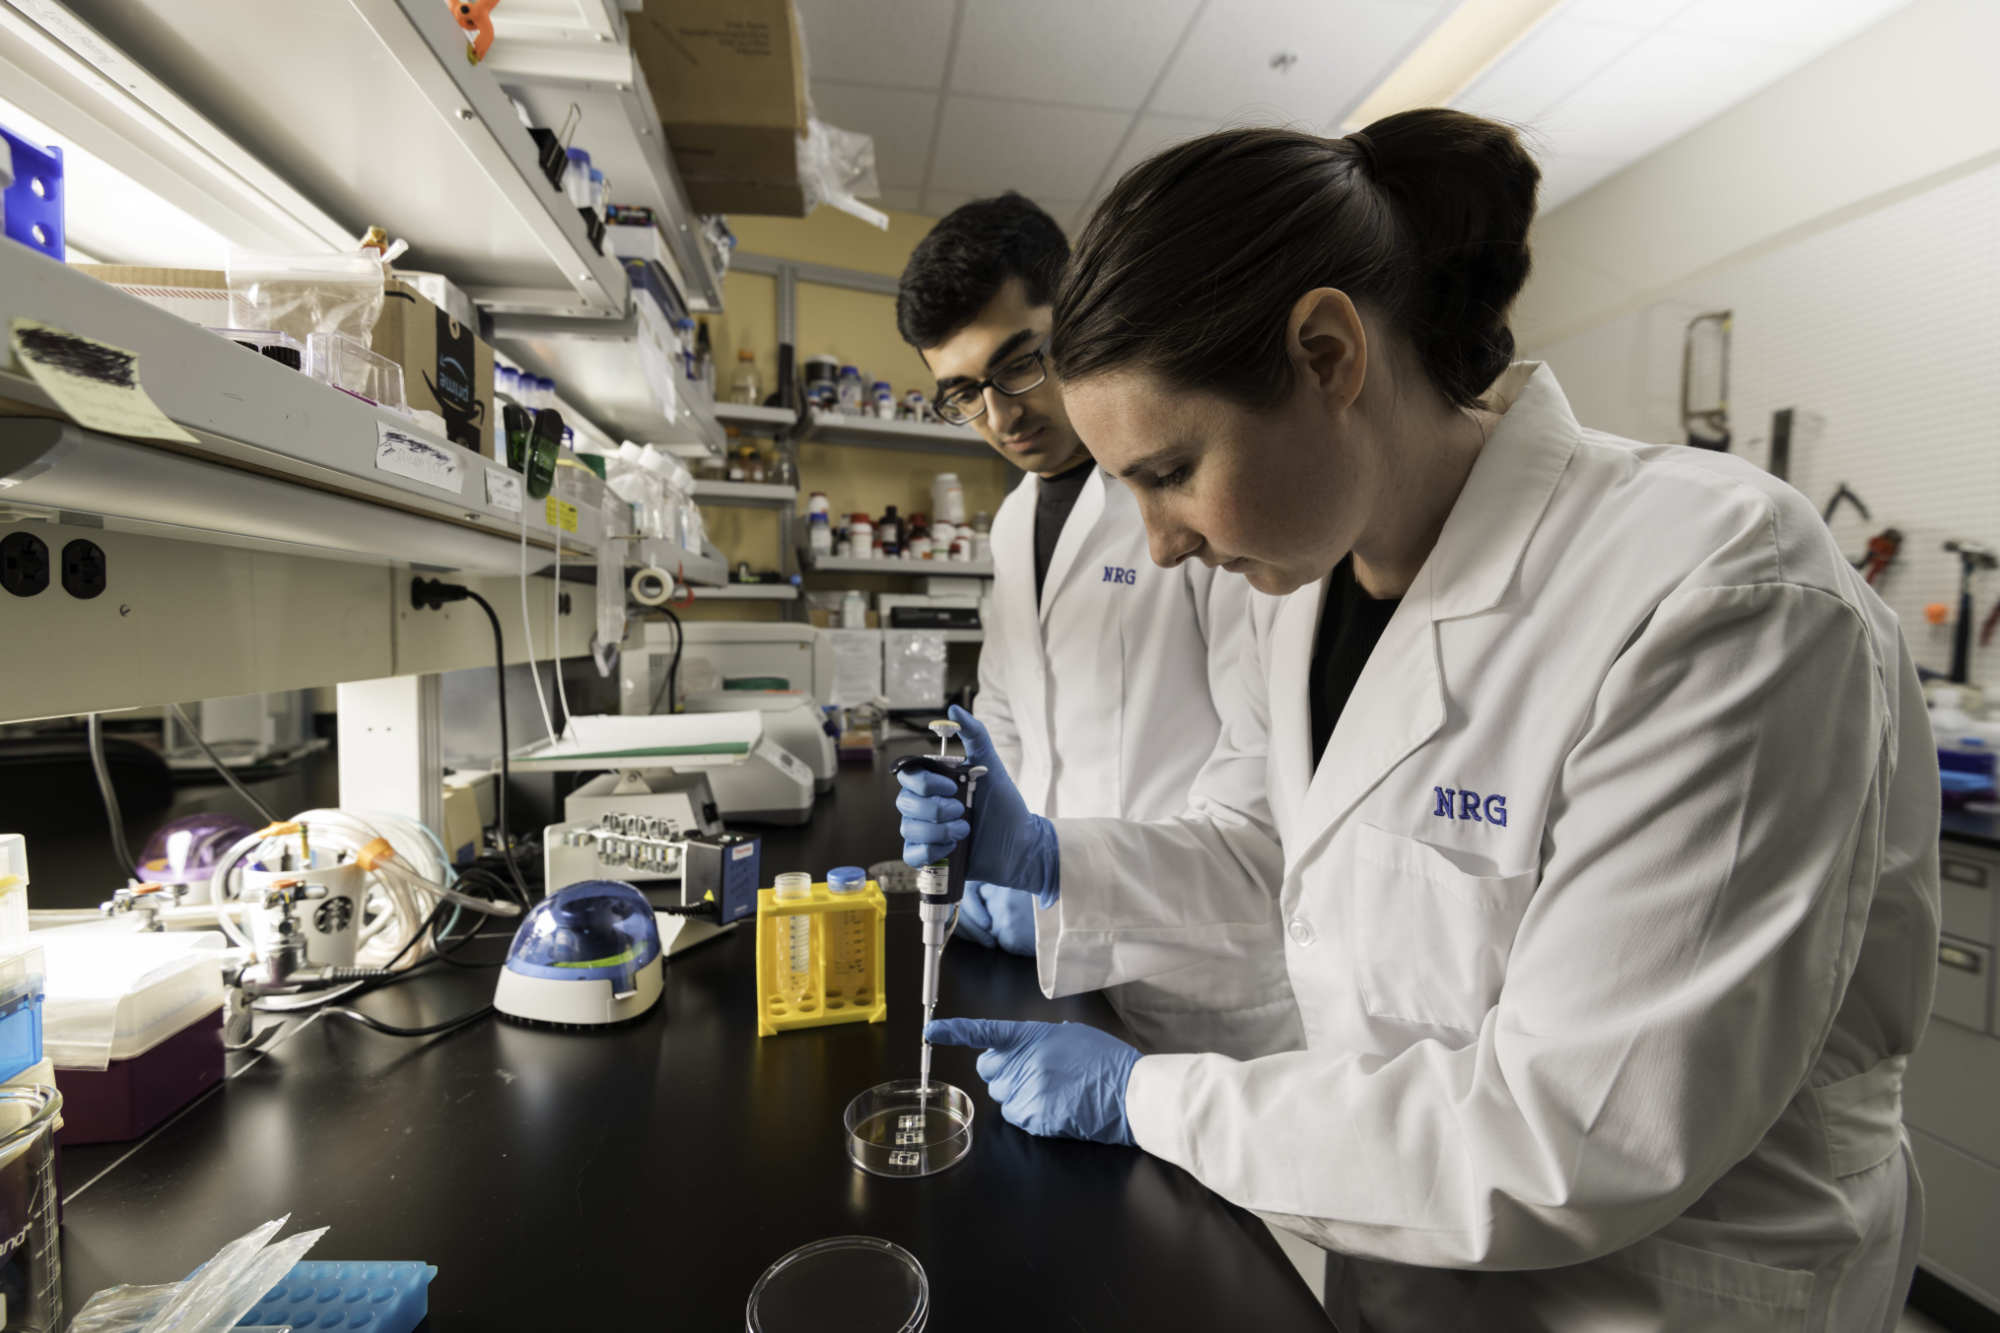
651, 586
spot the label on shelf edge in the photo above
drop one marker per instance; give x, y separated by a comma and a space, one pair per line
503, 490
95, 384
561, 514
412, 456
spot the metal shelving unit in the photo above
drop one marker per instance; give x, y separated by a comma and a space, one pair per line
301, 452
875, 433
619, 126
771, 421
745, 494
696, 569
930, 569
616, 367
748, 592
224, 108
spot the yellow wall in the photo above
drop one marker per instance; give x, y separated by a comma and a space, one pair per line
860, 329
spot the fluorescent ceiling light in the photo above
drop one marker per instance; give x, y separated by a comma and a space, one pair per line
1458, 50
112, 217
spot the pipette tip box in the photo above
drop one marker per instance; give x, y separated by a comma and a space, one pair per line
843, 980
364, 1297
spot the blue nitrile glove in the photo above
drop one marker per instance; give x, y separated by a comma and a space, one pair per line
1063, 1080
1009, 846
995, 917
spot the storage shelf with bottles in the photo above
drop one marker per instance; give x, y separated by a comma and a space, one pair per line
745, 494
771, 421
823, 427
906, 566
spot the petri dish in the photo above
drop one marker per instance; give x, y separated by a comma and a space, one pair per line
857, 1283
903, 1128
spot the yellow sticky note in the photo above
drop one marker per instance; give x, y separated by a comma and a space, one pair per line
562, 514
94, 383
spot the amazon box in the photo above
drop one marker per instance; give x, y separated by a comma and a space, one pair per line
447, 366
729, 80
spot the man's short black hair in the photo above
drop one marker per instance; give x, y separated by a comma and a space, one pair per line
968, 257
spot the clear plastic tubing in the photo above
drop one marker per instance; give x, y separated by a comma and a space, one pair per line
795, 963
847, 943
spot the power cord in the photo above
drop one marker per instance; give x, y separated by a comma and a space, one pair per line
215, 761
430, 594
126, 865
374, 1024
671, 685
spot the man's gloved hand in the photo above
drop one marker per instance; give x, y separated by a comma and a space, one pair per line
1063, 1080
1008, 845
995, 917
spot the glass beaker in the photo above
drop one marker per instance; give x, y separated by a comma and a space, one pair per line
30, 1260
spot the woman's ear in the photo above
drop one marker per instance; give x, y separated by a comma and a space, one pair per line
1328, 346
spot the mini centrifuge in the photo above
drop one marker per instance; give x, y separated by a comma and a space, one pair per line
584, 957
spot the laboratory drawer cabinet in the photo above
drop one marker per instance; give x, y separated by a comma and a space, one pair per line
1964, 984
1961, 1218
1968, 879
1952, 1090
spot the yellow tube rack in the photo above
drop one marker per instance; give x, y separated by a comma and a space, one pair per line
844, 979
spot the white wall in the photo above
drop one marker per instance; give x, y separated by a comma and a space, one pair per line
1911, 99
1876, 317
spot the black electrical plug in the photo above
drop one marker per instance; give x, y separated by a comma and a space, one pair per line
430, 594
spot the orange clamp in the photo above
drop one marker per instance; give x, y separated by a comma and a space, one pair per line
374, 854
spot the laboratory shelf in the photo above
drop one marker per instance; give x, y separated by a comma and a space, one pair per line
746, 494
756, 420
288, 128
690, 567
876, 433
619, 126
748, 592
278, 461
560, 20
625, 369
931, 569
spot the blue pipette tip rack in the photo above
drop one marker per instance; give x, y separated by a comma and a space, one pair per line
328, 1296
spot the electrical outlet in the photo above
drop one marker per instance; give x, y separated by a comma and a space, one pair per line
83, 569
24, 564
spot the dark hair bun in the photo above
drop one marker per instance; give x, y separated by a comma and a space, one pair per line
1464, 189
1192, 263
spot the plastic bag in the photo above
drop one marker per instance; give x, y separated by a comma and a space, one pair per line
836, 166
212, 1300
306, 294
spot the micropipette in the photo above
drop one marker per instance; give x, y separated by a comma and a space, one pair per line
941, 884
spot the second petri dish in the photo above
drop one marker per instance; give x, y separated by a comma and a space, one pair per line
857, 1283
904, 1128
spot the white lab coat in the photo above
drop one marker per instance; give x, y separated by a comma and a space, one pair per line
1611, 911
1099, 703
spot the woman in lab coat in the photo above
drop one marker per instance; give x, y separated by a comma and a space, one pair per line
1610, 899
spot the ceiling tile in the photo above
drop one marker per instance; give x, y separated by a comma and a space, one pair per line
986, 146
1644, 14
1105, 53
1229, 66
1149, 136
1552, 62
1659, 90
900, 119
896, 43
902, 199
1818, 24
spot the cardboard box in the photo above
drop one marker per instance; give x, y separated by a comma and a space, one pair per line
447, 366
729, 80
198, 295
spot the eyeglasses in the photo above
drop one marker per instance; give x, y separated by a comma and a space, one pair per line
963, 404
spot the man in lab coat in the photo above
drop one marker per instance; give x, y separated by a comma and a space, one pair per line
1089, 643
